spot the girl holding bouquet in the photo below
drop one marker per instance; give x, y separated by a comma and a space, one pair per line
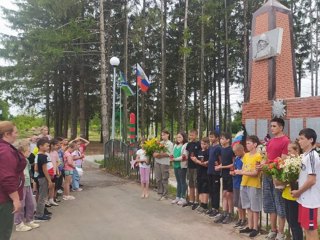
144, 169
291, 205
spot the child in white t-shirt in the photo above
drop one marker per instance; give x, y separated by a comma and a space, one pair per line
144, 168
308, 193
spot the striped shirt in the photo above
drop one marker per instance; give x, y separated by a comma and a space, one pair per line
310, 166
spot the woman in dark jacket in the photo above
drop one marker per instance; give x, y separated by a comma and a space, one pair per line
12, 164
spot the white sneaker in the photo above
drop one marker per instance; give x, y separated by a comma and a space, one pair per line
32, 224
53, 203
66, 198
271, 235
22, 228
175, 201
182, 201
280, 236
60, 191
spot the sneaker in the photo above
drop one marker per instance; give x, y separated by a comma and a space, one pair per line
163, 198
238, 224
78, 190
22, 228
242, 225
219, 218
246, 230
46, 212
42, 218
271, 235
200, 209
32, 224
182, 201
254, 233
280, 236
57, 200
53, 203
59, 191
227, 219
214, 213
175, 201
66, 198
194, 206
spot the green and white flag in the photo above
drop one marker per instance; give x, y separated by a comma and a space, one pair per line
125, 86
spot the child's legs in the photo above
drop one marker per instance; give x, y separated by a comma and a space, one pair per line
255, 217
67, 181
292, 209
192, 183
230, 201
19, 216
29, 205
51, 190
75, 179
177, 173
215, 198
43, 194
311, 234
157, 173
250, 218
224, 201
183, 180
147, 170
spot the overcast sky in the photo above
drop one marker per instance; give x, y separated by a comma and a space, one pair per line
234, 91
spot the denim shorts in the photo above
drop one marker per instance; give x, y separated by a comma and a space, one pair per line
68, 173
272, 198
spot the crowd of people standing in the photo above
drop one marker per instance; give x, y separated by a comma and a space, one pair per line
33, 174
203, 167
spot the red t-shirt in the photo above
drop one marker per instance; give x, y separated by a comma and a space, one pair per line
277, 146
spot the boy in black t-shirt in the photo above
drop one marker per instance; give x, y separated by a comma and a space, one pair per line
227, 157
202, 177
193, 147
44, 179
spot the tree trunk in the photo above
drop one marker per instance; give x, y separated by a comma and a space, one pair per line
142, 95
311, 49
66, 108
163, 61
124, 97
103, 80
227, 114
74, 106
317, 50
48, 103
201, 75
184, 70
82, 109
245, 52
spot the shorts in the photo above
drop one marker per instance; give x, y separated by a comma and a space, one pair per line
308, 218
251, 198
192, 177
236, 198
272, 198
203, 185
227, 184
68, 172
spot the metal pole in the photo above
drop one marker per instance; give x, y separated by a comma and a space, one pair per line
120, 113
113, 103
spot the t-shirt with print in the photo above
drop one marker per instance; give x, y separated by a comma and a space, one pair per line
214, 154
77, 162
142, 156
202, 170
310, 166
226, 159
193, 148
249, 165
42, 160
277, 146
237, 178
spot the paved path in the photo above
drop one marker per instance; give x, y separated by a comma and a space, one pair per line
111, 208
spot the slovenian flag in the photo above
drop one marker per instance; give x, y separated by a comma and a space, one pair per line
125, 86
142, 79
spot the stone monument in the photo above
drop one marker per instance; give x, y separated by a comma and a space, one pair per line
272, 76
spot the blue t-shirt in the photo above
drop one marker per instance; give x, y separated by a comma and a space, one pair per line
214, 154
226, 159
237, 178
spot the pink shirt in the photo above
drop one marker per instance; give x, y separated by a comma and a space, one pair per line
68, 161
277, 146
54, 159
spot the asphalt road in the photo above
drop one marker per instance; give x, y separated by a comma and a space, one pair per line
111, 208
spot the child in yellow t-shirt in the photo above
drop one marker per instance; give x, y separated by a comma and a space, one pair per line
291, 206
250, 191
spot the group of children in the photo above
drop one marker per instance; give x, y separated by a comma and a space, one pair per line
53, 166
215, 159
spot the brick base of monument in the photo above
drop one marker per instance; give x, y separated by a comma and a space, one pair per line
300, 113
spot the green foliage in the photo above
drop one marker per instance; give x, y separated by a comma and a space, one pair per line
236, 124
4, 107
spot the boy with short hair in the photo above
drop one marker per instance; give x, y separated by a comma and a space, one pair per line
227, 157
193, 147
238, 150
202, 177
44, 178
308, 193
213, 175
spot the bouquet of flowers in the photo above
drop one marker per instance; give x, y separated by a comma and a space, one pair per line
153, 145
262, 149
274, 168
291, 170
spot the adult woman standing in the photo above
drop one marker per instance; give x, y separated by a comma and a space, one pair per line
12, 165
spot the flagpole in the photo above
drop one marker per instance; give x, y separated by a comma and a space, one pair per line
137, 102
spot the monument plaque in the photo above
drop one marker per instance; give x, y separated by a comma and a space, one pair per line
314, 123
262, 128
296, 124
251, 126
